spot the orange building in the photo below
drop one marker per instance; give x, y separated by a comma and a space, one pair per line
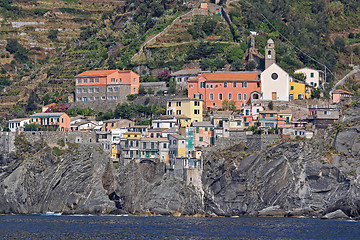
339, 94
214, 88
57, 121
105, 85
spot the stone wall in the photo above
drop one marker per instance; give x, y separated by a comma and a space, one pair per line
100, 105
6, 146
54, 137
260, 142
254, 142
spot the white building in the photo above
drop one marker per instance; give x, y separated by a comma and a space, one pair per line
275, 84
313, 77
18, 124
164, 123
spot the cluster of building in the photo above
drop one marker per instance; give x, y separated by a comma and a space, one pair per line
179, 137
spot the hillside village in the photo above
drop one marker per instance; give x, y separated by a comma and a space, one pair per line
204, 107
220, 108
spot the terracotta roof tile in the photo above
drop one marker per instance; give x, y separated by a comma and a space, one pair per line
230, 76
96, 73
342, 91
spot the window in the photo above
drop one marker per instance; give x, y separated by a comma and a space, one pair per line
291, 87
85, 80
91, 80
196, 111
109, 89
91, 90
197, 130
312, 75
239, 96
274, 76
116, 89
178, 112
164, 146
196, 103
191, 86
134, 90
244, 84
247, 112
79, 98
257, 110
103, 98
178, 104
84, 90
258, 84
112, 80
91, 98
96, 80
78, 90
211, 96
230, 96
225, 84
202, 84
245, 97
97, 98
220, 96
120, 80
97, 90
201, 139
271, 115
79, 81
211, 86
207, 85
152, 135
110, 98
134, 80
234, 84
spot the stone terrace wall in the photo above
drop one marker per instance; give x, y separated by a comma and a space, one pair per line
54, 137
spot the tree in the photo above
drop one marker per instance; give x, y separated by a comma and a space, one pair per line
315, 93
53, 34
250, 66
12, 45
142, 90
150, 91
31, 103
219, 63
237, 65
271, 105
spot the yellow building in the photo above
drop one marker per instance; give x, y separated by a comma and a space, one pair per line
115, 151
136, 135
299, 91
189, 107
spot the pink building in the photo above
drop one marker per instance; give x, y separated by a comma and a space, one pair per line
338, 94
214, 88
203, 134
105, 85
56, 121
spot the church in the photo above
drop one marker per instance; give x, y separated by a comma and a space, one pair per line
274, 80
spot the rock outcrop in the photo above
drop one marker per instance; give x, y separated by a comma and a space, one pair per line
317, 177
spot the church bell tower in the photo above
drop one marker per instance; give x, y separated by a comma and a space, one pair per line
270, 56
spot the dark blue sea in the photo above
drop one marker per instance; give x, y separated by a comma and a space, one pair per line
124, 227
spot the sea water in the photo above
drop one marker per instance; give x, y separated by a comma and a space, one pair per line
129, 227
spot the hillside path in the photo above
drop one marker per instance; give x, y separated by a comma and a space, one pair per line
351, 73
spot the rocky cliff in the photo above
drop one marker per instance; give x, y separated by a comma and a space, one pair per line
81, 179
289, 178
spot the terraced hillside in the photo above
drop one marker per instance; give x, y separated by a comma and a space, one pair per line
58, 39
